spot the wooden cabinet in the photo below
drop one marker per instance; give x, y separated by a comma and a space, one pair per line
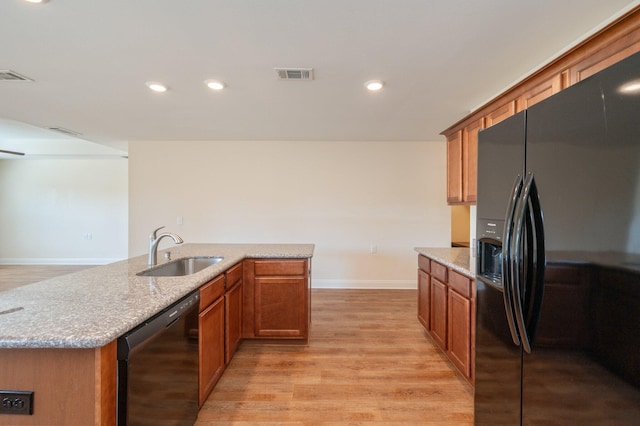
424, 299
454, 168
439, 312
233, 311
211, 334
500, 113
462, 164
447, 299
605, 57
543, 90
470, 160
276, 299
460, 318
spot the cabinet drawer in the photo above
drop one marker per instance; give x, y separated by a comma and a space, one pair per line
211, 291
280, 267
234, 275
439, 271
423, 263
460, 283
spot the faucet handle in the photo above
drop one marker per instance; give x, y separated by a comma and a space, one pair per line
153, 235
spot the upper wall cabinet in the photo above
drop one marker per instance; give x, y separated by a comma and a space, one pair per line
501, 112
462, 163
543, 90
613, 43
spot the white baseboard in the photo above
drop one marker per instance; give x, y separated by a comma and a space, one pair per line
365, 284
57, 261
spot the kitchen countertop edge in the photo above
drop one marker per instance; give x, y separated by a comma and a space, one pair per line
458, 259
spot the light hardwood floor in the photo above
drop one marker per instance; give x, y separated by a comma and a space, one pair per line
368, 361
12, 276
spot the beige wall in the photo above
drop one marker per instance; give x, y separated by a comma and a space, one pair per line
342, 196
49, 206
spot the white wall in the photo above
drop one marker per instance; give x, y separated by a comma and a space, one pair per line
47, 207
342, 196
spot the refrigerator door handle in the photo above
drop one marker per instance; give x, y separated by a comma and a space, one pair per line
529, 189
538, 261
507, 279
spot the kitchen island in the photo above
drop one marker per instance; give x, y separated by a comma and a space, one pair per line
58, 336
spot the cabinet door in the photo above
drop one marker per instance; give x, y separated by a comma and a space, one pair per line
459, 332
424, 291
605, 57
470, 160
454, 168
543, 90
233, 314
439, 312
501, 113
211, 335
281, 307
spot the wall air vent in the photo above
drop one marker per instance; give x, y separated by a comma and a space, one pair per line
8, 75
64, 131
295, 73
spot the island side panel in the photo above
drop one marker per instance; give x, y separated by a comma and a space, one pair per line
106, 385
71, 386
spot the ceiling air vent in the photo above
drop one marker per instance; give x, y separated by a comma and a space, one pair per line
65, 131
8, 75
295, 73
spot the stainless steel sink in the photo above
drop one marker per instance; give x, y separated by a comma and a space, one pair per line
181, 267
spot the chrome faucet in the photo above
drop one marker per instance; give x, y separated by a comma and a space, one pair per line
154, 240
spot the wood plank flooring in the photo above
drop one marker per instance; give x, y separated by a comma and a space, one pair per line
368, 361
12, 276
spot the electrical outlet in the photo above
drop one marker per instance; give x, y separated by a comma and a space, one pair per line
16, 402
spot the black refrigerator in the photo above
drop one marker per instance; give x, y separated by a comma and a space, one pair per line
558, 258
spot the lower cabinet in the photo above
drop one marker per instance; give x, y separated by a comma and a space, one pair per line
446, 309
211, 333
276, 299
458, 337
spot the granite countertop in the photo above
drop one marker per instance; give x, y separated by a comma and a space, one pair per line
458, 259
90, 308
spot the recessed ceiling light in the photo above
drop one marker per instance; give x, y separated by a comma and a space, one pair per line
156, 87
214, 84
374, 85
36, 1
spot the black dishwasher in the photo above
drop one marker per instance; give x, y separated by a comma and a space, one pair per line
158, 368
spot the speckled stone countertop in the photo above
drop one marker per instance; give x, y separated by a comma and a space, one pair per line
458, 259
90, 308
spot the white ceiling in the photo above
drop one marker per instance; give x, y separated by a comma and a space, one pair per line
90, 60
